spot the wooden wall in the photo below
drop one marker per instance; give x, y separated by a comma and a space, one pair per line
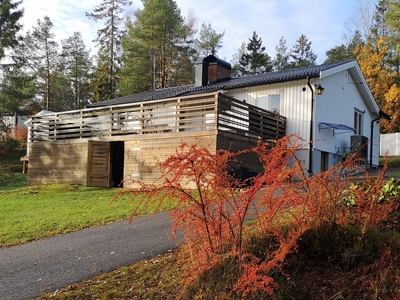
58, 162
67, 161
235, 142
141, 154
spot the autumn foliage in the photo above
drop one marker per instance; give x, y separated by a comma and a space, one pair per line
20, 134
12, 139
381, 80
282, 203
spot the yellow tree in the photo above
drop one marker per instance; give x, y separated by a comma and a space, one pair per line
392, 108
381, 80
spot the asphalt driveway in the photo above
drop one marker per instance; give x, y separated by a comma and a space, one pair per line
28, 270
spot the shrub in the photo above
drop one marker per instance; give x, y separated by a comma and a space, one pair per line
8, 144
21, 134
392, 162
284, 202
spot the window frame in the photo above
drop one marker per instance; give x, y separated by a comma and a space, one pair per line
267, 96
358, 121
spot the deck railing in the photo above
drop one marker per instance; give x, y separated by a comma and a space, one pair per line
191, 113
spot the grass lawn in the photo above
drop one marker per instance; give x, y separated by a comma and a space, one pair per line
36, 212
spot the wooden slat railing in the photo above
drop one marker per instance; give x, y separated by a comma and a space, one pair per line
192, 113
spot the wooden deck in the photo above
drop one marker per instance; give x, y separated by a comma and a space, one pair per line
100, 146
170, 116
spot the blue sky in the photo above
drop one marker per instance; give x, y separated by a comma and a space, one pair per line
323, 22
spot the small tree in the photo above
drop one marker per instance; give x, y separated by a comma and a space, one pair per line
255, 60
302, 54
281, 60
209, 41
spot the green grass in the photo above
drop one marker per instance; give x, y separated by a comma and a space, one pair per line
36, 212
32, 213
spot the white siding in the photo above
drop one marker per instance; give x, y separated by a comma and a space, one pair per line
295, 103
341, 96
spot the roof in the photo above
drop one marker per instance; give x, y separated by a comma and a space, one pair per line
231, 83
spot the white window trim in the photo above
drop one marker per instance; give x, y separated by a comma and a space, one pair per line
359, 127
266, 95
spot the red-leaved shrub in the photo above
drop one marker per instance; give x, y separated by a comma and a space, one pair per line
283, 202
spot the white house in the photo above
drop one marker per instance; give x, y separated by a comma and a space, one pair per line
345, 115
217, 111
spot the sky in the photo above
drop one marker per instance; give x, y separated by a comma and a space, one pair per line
323, 22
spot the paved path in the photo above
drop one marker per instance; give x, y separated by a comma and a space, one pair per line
28, 270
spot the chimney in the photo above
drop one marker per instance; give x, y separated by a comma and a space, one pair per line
211, 69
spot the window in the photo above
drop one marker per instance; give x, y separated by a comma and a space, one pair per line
358, 121
271, 102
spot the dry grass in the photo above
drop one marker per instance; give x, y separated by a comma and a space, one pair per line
156, 278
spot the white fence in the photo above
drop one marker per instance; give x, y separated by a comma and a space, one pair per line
390, 144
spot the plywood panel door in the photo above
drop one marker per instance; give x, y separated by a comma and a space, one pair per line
98, 170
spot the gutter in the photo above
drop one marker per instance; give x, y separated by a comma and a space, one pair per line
381, 115
310, 157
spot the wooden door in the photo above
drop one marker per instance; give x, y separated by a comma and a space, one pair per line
98, 168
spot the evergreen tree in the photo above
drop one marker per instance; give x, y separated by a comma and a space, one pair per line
77, 70
391, 20
255, 61
17, 88
345, 51
39, 55
379, 27
9, 26
100, 84
157, 48
235, 60
281, 60
209, 41
302, 54
109, 41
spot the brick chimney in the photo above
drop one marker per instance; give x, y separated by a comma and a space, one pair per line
211, 69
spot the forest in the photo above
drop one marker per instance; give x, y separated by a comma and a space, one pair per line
156, 47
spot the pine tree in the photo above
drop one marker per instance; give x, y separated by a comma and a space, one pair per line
345, 51
255, 61
302, 54
17, 88
39, 55
9, 26
391, 19
236, 59
209, 41
281, 60
77, 70
109, 41
157, 48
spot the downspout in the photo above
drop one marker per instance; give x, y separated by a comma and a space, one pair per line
371, 146
310, 157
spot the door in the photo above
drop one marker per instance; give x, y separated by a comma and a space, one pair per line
324, 161
117, 164
98, 167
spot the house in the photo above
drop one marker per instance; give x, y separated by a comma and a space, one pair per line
13, 120
121, 138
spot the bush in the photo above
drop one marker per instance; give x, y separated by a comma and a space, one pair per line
213, 217
392, 162
8, 144
21, 135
